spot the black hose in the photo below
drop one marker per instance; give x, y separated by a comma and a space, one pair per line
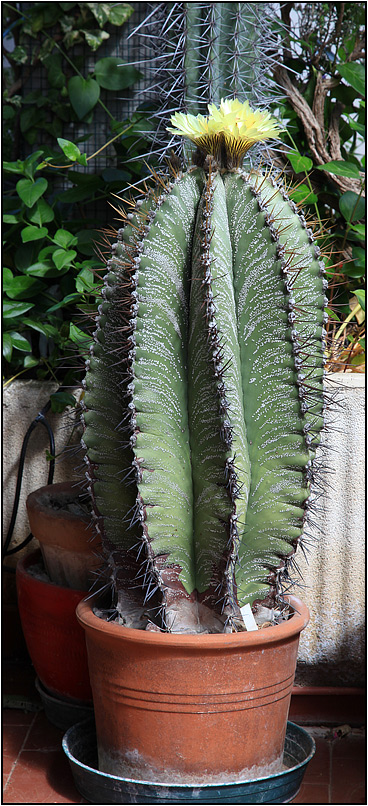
43, 421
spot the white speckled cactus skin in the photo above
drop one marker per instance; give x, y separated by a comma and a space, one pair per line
204, 395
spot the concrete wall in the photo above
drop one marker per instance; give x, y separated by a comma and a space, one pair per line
22, 400
332, 646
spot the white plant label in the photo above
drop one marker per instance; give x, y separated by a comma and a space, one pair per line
248, 618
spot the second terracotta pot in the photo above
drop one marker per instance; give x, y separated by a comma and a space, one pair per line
61, 522
191, 708
54, 639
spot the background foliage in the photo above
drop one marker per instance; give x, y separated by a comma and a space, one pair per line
53, 214
60, 93
324, 112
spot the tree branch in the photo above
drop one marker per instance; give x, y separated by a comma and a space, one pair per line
334, 133
358, 52
314, 134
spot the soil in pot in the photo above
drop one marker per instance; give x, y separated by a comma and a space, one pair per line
191, 708
60, 519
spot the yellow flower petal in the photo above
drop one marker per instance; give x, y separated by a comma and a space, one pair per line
234, 125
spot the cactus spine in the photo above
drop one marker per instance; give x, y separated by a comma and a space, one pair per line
202, 52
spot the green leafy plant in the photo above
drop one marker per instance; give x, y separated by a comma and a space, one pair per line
48, 39
51, 219
46, 276
325, 122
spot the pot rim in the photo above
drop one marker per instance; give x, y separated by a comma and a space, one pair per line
35, 557
280, 632
35, 503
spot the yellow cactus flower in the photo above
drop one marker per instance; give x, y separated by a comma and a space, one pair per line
228, 132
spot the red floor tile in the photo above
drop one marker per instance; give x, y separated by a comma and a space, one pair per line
43, 736
5, 778
41, 778
13, 716
348, 780
13, 740
319, 767
350, 746
312, 793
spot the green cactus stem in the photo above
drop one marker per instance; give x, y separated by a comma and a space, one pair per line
204, 399
197, 53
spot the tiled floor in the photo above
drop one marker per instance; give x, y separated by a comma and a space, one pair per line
35, 769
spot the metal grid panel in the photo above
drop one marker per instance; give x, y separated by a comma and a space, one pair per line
121, 104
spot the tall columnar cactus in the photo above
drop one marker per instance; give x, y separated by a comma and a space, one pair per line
198, 53
204, 398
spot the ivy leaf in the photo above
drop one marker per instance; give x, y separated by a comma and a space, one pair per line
19, 54
359, 256
62, 257
119, 13
41, 327
60, 400
356, 266
112, 74
82, 160
95, 38
347, 202
30, 361
340, 168
7, 346
32, 233
360, 230
77, 335
12, 309
86, 241
354, 74
18, 287
303, 195
358, 127
84, 94
70, 298
14, 167
11, 219
29, 118
100, 12
40, 269
70, 150
332, 315
55, 75
85, 281
19, 342
41, 213
29, 164
299, 163
360, 295
64, 238
30, 191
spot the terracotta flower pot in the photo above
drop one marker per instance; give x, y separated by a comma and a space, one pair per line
63, 528
191, 708
54, 639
